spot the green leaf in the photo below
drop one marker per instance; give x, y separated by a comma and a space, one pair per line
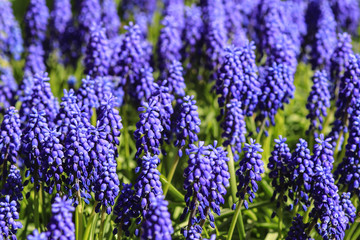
178, 197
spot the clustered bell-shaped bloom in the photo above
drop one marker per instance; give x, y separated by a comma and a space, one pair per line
11, 42
234, 128
53, 156
238, 78
97, 58
297, 229
187, 124
8, 216
347, 206
13, 185
251, 168
90, 13
193, 232
194, 28
340, 60
347, 14
86, 96
41, 97
35, 235
348, 171
10, 141
157, 223
77, 160
61, 225
279, 165
318, 102
233, 23
301, 174
36, 21
32, 144
8, 88
110, 18
107, 182
125, 209
175, 80
148, 185
148, 133
323, 154
144, 85
34, 61
169, 44
277, 87
60, 21
110, 120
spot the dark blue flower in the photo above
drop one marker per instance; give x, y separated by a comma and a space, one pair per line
32, 144
36, 21
37, 236
34, 61
169, 43
234, 128
301, 174
251, 168
175, 80
61, 225
340, 60
323, 154
110, 18
144, 85
157, 223
53, 157
13, 185
8, 88
297, 229
125, 209
41, 97
97, 59
10, 137
148, 133
347, 14
11, 42
318, 102
194, 28
107, 183
192, 233
233, 23
77, 160
197, 182
86, 96
90, 14
187, 123
8, 216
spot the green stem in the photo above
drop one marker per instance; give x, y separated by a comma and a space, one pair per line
90, 222
79, 218
119, 233
351, 231
280, 224
357, 233
234, 220
258, 138
103, 216
233, 187
311, 226
171, 174
36, 209
306, 217
338, 144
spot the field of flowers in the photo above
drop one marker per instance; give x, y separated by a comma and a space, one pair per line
179, 119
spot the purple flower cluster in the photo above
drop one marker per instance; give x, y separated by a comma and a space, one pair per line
110, 18
347, 14
297, 229
8, 87
8, 216
318, 102
90, 14
193, 33
175, 80
36, 21
251, 168
13, 186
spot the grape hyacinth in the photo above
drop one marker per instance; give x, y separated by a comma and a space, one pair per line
347, 206
297, 229
110, 18
148, 133
301, 174
53, 157
347, 14
323, 154
10, 138
175, 80
157, 223
169, 44
97, 60
8, 216
77, 160
61, 225
8, 88
86, 96
144, 85
34, 62
234, 128
125, 209
37, 236
90, 14
187, 123
318, 102
11, 42
340, 60
279, 165
36, 21
251, 168
13, 186
194, 27
32, 144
